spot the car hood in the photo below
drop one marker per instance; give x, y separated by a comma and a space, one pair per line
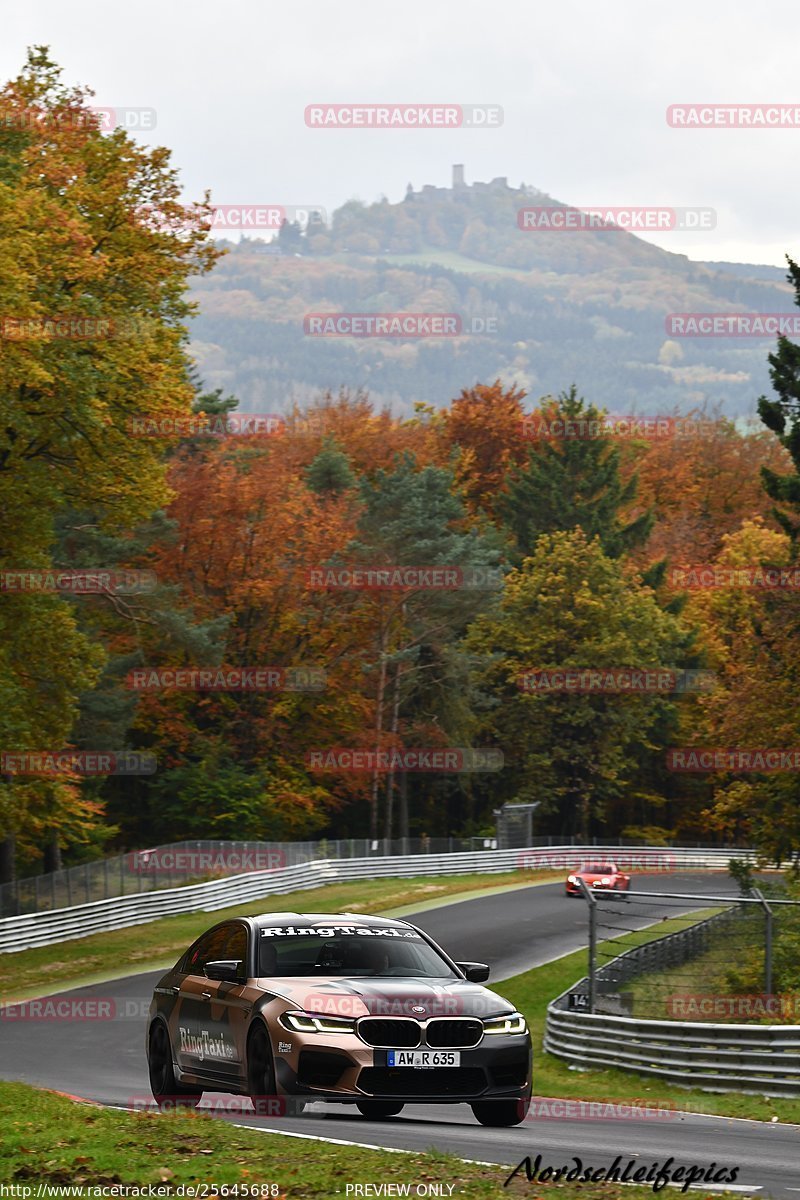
388, 996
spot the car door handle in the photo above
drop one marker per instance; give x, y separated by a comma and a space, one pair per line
176, 991
206, 995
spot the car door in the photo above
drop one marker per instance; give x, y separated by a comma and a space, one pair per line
196, 1049
210, 1042
230, 1004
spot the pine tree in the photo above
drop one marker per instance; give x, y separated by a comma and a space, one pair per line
330, 473
782, 416
574, 482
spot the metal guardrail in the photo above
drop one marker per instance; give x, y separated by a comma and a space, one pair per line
45, 928
762, 1060
195, 860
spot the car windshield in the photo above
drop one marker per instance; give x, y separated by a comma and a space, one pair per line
599, 869
350, 951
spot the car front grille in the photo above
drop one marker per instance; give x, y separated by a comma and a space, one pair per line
321, 1068
435, 1081
510, 1074
454, 1032
396, 1033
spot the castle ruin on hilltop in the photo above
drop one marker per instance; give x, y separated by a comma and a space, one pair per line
458, 186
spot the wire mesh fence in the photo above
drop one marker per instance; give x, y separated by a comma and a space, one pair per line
193, 861
726, 957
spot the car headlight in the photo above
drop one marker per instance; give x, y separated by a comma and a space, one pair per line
605, 882
303, 1022
512, 1023
571, 879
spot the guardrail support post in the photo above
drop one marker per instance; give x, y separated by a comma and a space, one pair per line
592, 902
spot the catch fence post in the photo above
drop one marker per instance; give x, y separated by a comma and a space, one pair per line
592, 902
767, 940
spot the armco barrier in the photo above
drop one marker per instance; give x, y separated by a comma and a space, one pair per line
58, 925
762, 1060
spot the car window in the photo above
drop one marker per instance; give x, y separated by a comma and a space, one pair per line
211, 947
351, 955
236, 946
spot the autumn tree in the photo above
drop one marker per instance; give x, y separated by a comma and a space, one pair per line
95, 253
485, 424
570, 605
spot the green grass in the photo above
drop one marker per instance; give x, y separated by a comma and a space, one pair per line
709, 975
453, 262
159, 943
532, 991
46, 1138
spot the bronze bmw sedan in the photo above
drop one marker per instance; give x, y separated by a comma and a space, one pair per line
344, 1008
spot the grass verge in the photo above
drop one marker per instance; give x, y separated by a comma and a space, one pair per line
46, 1138
532, 991
159, 943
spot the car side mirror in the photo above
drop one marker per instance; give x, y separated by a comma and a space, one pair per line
225, 970
475, 972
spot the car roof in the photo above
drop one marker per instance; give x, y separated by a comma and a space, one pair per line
312, 919
598, 865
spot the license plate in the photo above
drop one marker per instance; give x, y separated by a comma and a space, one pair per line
423, 1058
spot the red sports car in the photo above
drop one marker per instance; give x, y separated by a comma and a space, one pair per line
604, 876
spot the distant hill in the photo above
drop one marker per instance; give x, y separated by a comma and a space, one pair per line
549, 309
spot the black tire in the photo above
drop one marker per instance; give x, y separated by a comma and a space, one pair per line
500, 1112
167, 1092
261, 1075
379, 1110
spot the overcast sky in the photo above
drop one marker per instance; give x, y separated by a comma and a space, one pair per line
584, 88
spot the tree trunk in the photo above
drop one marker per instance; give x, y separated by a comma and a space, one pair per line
8, 853
52, 855
389, 814
404, 806
373, 815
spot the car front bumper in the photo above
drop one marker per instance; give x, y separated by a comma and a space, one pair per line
341, 1072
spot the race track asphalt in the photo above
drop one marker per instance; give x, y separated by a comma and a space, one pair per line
103, 1060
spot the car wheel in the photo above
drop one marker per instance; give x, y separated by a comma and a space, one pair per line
379, 1110
167, 1092
261, 1073
500, 1112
